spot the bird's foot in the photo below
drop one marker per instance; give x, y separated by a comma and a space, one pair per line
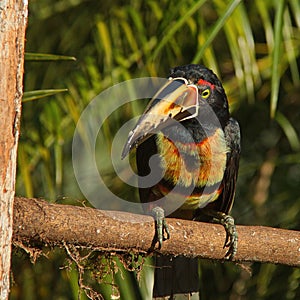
231, 239
162, 232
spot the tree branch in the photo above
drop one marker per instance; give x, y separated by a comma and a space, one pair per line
37, 221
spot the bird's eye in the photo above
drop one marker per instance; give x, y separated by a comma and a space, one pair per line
205, 94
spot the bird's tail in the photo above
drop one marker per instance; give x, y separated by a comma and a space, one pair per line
176, 276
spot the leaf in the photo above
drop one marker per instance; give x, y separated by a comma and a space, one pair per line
217, 27
276, 57
106, 42
37, 94
47, 57
289, 131
170, 32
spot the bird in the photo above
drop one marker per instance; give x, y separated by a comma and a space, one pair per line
194, 144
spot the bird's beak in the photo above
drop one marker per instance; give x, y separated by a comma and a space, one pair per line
177, 100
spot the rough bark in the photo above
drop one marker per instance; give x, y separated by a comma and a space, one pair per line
37, 222
13, 18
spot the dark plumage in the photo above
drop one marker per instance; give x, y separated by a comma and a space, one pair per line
199, 155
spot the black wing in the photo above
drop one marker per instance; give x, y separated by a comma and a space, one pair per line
233, 140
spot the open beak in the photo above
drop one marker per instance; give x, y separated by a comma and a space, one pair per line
176, 100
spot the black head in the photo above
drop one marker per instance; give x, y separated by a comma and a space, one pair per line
193, 94
209, 86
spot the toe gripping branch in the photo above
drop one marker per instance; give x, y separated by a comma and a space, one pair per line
162, 232
231, 240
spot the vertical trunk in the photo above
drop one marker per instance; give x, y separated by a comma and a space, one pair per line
13, 18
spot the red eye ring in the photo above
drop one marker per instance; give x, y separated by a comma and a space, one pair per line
206, 83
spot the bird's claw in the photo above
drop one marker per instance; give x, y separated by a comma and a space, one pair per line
231, 240
162, 230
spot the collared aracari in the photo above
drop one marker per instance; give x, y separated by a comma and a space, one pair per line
188, 125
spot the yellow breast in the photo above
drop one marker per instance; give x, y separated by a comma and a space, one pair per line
197, 164
194, 164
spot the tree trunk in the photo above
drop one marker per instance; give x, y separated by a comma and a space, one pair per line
13, 18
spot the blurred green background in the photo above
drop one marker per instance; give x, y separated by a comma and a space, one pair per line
254, 48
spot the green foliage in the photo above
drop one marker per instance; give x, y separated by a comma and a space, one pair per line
33, 95
46, 57
252, 45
